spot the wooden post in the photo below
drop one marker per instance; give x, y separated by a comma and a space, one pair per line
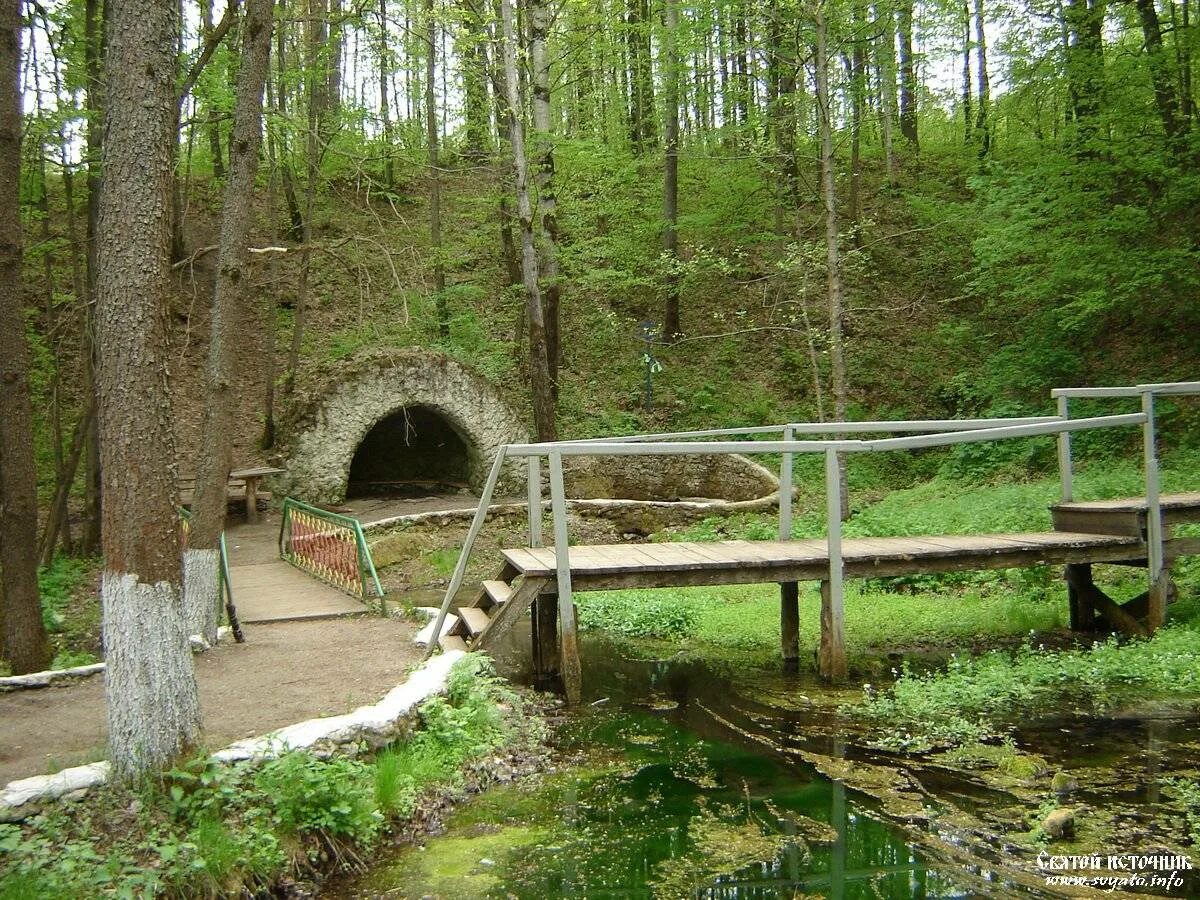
1081, 612
832, 655
534, 493
569, 632
1155, 563
789, 593
1065, 476
251, 499
545, 639
789, 625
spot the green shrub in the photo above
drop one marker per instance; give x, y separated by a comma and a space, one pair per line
333, 797
659, 614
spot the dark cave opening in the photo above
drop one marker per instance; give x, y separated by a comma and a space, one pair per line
412, 450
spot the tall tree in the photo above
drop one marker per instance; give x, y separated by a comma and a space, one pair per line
539, 32
908, 73
231, 321
150, 685
833, 254
435, 169
24, 635
671, 326
541, 386
982, 126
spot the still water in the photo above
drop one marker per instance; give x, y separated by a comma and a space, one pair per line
669, 792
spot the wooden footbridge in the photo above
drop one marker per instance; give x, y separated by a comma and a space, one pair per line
1129, 531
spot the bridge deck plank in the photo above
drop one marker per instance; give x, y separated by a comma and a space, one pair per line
734, 562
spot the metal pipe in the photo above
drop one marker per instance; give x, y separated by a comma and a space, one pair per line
833, 539
1014, 431
460, 567
711, 432
534, 492
912, 425
785, 490
568, 631
1065, 477
698, 448
1154, 531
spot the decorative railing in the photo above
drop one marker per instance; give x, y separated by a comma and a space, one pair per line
330, 547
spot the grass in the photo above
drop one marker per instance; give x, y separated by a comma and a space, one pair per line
946, 610
975, 697
207, 829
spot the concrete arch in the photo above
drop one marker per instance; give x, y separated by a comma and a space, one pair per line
323, 440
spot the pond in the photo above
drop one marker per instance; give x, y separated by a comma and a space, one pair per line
676, 784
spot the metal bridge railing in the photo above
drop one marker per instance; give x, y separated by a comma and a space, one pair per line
938, 433
328, 546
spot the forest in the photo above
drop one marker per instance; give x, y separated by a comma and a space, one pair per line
624, 215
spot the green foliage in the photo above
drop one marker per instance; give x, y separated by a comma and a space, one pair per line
656, 614
59, 583
1187, 793
974, 696
214, 829
330, 797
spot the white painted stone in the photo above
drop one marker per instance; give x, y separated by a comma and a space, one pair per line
375, 725
425, 635
48, 677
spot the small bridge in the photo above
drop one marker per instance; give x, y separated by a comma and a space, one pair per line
1129, 531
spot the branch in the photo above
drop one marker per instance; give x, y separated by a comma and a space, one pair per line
206, 53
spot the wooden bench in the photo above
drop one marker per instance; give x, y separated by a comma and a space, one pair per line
243, 483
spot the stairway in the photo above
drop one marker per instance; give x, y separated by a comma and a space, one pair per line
498, 605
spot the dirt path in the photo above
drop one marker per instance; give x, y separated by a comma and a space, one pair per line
285, 672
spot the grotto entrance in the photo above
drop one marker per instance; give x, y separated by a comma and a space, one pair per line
413, 450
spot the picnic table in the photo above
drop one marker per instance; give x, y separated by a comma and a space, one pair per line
252, 477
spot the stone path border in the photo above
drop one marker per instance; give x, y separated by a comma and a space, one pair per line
375, 725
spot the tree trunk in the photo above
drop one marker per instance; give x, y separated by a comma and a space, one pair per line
230, 324
153, 710
333, 63
833, 257
539, 27
1160, 72
1085, 68
541, 387
982, 126
385, 105
508, 245
95, 27
908, 78
474, 79
23, 633
885, 60
435, 172
212, 126
968, 119
671, 325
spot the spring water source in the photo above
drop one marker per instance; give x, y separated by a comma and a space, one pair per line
675, 782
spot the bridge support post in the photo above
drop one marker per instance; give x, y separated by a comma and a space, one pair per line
1082, 615
789, 625
569, 636
545, 639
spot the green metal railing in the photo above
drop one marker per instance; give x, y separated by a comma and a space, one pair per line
328, 546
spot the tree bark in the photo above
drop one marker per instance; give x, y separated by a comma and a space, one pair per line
671, 324
211, 125
435, 172
908, 78
968, 119
153, 709
885, 60
230, 324
541, 387
539, 28
1160, 73
385, 105
833, 256
25, 646
983, 130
